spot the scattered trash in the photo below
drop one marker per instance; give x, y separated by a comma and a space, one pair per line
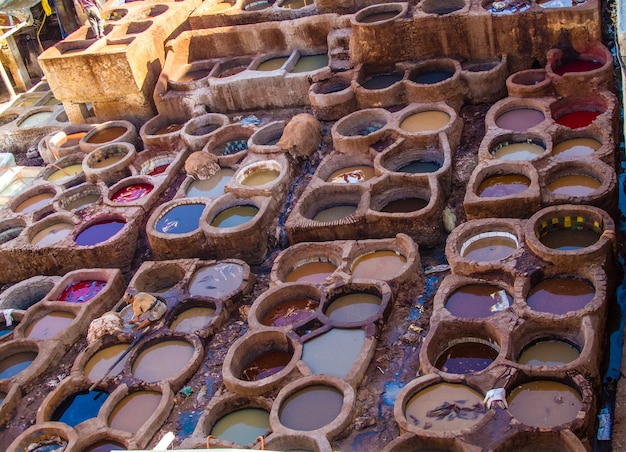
495, 395
437, 269
604, 425
186, 390
250, 121
8, 316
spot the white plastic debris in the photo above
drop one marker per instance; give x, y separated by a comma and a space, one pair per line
495, 395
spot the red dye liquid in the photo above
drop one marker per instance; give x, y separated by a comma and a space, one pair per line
578, 66
99, 232
132, 193
158, 170
82, 291
578, 119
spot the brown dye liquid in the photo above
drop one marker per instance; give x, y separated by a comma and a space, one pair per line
314, 272
260, 177
193, 319
311, 408
272, 64
71, 140
466, 357
149, 364
107, 161
335, 213
49, 325
52, 234
445, 407
107, 134
548, 353
100, 362
352, 175
290, 312
405, 205
475, 300
560, 295
576, 147
266, 365
170, 128
35, 202
378, 17
574, 185
544, 403
66, 172
489, 249
503, 185
354, 307
383, 264
132, 412
569, 239
234, 216
425, 121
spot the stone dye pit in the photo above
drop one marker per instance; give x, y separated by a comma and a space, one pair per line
445, 227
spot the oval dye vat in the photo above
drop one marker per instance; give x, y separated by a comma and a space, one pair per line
549, 353
290, 312
234, 216
354, 307
520, 119
526, 150
181, 219
578, 119
378, 17
467, 356
105, 446
82, 291
211, 187
102, 360
574, 185
477, 300
405, 205
489, 246
105, 135
216, 280
503, 185
15, 363
82, 201
193, 319
149, 364
578, 65
381, 264
544, 403
315, 272
311, 408
79, 407
425, 121
420, 167
52, 234
242, 426
381, 81
49, 325
99, 232
132, 412
352, 175
335, 213
333, 352
65, 173
265, 365
560, 295
35, 202
132, 192
576, 147
569, 238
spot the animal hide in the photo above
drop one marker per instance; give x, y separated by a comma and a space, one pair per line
201, 165
301, 136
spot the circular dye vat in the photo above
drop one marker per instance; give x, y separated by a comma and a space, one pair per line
475, 301
549, 353
49, 325
354, 307
314, 272
518, 151
335, 213
107, 161
381, 264
489, 246
105, 446
191, 76
272, 64
352, 175
560, 295
149, 364
217, 280
425, 121
35, 203
52, 234
503, 185
519, 119
193, 319
211, 187
36, 119
544, 403
132, 192
242, 426
311, 408
66, 173
160, 169
577, 119
333, 352
404, 205
290, 312
378, 17
579, 65
260, 176
576, 147
79, 407
82, 201
431, 77
231, 147
99, 232
265, 365
101, 361
14, 364
574, 185
309, 63
419, 167
568, 239
132, 412
181, 219
234, 216
467, 356
70, 140
445, 407
107, 134
170, 128
381, 81
82, 291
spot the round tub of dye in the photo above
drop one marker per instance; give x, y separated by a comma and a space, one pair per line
66, 142
192, 76
97, 359
36, 118
34, 200
220, 280
50, 322
529, 83
520, 146
27, 292
21, 360
155, 164
434, 80
286, 306
314, 443
260, 173
131, 191
314, 404
355, 304
517, 115
49, 435
379, 14
261, 361
197, 131
182, 352
378, 85
80, 197
99, 442
571, 69
462, 349
571, 235
53, 230
11, 229
99, 230
572, 145
118, 131
306, 263
382, 263
469, 298
269, 62
161, 131
265, 139
418, 161
82, 286
355, 132
580, 113
333, 98
426, 406
229, 143
196, 316
229, 67
346, 169
213, 187
66, 171
109, 162
489, 246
